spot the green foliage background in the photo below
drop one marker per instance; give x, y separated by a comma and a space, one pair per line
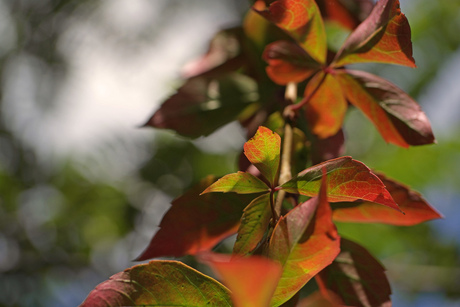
64, 230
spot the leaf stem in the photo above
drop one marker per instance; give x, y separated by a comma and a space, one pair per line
275, 215
285, 171
295, 107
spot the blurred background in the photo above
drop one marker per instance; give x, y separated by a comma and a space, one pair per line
83, 187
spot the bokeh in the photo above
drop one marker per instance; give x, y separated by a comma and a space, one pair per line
83, 186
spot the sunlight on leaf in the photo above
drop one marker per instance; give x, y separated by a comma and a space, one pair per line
304, 244
347, 180
241, 183
383, 37
263, 150
416, 209
398, 118
159, 283
302, 20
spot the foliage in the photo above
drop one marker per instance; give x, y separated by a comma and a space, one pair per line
285, 224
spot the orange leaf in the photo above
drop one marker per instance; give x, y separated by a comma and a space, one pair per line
326, 108
252, 280
288, 62
302, 20
398, 118
416, 209
383, 37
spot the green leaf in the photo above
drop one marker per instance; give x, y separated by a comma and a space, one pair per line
347, 180
304, 242
356, 277
241, 183
263, 151
254, 223
159, 283
383, 37
302, 20
252, 280
202, 104
196, 223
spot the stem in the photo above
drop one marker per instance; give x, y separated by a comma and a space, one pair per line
304, 101
275, 215
285, 171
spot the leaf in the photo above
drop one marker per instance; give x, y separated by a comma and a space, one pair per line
223, 56
196, 223
202, 105
326, 106
288, 62
398, 118
416, 209
159, 283
254, 224
349, 14
304, 244
357, 277
302, 20
241, 183
383, 37
252, 280
328, 148
263, 150
347, 180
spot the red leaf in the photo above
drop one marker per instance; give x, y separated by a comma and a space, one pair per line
328, 148
254, 224
159, 283
319, 300
357, 277
384, 37
302, 20
416, 209
303, 244
395, 114
347, 13
326, 108
347, 180
241, 183
202, 105
263, 150
288, 62
252, 280
196, 223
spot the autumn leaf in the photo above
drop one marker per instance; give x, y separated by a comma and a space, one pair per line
196, 223
302, 20
356, 277
349, 14
288, 62
254, 224
304, 241
326, 106
159, 283
263, 151
252, 280
347, 180
395, 114
241, 183
416, 209
202, 104
383, 37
